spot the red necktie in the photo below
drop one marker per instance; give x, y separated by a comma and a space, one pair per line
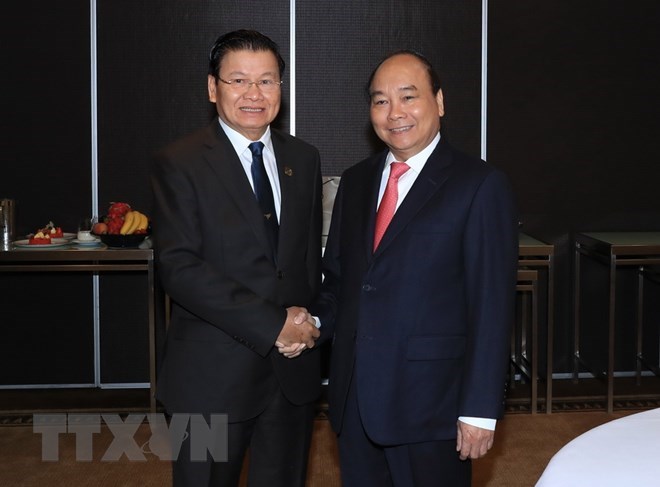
388, 203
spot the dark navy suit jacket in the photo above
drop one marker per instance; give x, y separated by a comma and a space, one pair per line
423, 324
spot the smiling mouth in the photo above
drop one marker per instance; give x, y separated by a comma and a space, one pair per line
399, 130
252, 109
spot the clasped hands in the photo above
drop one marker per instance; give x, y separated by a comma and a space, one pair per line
298, 333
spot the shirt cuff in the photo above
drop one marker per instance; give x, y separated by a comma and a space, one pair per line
485, 423
317, 322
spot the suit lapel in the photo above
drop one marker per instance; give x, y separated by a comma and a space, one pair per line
289, 171
430, 180
226, 165
370, 202
286, 171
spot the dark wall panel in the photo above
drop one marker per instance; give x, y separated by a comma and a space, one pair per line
46, 115
572, 118
152, 70
340, 42
124, 328
47, 329
45, 322
153, 62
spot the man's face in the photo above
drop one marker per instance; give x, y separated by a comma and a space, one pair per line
245, 107
404, 111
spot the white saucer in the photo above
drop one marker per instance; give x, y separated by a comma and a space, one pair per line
87, 243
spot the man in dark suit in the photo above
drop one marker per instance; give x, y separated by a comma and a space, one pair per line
237, 226
419, 308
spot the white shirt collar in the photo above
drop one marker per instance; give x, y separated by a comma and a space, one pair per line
241, 143
417, 161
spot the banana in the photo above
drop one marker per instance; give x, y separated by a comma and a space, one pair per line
143, 222
136, 222
130, 223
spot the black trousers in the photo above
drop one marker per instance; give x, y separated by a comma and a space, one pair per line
278, 442
366, 464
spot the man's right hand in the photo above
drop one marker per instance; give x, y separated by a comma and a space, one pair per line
299, 328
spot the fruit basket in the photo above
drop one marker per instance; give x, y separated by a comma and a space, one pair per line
123, 241
123, 227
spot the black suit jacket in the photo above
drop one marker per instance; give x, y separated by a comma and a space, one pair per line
215, 262
422, 325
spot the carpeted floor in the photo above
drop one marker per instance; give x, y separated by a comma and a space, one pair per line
524, 445
524, 442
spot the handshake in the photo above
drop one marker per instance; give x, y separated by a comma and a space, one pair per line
298, 333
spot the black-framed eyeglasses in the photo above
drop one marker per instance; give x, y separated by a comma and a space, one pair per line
241, 84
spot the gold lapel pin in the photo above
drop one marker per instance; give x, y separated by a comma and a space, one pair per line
288, 171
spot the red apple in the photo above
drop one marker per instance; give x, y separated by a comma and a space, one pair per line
100, 228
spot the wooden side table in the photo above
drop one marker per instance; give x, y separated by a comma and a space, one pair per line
94, 261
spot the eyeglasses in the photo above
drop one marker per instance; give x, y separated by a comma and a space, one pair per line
240, 84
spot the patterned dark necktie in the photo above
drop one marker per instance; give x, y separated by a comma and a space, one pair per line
264, 193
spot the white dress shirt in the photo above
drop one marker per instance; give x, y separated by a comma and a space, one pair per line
416, 164
241, 146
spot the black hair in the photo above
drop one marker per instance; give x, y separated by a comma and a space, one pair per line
433, 75
238, 40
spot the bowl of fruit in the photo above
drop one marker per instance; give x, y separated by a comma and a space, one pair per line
122, 227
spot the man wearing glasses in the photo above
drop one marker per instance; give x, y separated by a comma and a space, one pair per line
237, 227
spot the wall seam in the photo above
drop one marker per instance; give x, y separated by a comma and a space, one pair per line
96, 299
292, 67
484, 77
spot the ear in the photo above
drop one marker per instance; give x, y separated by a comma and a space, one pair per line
440, 101
213, 86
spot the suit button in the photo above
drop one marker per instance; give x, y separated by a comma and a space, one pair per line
280, 275
368, 287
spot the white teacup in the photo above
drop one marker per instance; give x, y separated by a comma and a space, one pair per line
85, 236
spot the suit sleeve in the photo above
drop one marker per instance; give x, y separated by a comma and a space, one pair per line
325, 306
314, 235
490, 262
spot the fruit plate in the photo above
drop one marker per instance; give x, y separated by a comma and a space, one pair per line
123, 241
57, 243
54, 240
